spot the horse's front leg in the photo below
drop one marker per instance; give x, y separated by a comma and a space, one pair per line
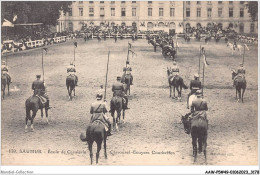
26, 121
34, 114
74, 91
90, 143
68, 92
173, 91
8, 88
42, 112
46, 114
170, 90
243, 95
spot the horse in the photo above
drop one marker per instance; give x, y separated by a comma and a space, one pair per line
191, 98
240, 83
71, 83
95, 133
198, 126
116, 104
238, 47
5, 79
33, 103
176, 82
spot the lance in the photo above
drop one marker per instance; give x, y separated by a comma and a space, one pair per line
244, 53
203, 74
199, 59
42, 66
106, 77
75, 45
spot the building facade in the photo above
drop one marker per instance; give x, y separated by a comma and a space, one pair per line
170, 16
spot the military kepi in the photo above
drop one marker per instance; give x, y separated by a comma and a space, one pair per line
118, 78
38, 76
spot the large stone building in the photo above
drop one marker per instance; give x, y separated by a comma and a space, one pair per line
173, 16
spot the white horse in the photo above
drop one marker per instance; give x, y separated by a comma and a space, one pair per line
191, 99
238, 48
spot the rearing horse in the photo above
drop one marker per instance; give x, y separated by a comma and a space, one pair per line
175, 82
5, 79
71, 83
240, 84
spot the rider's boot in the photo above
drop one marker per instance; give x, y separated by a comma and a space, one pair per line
48, 104
109, 130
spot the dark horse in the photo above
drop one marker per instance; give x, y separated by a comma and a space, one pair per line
71, 83
240, 83
5, 79
33, 103
95, 133
116, 104
198, 126
175, 82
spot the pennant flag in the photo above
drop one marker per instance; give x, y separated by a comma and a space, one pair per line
75, 44
7, 23
15, 18
46, 50
205, 60
129, 45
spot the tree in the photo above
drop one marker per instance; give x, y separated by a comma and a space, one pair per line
253, 9
46, 12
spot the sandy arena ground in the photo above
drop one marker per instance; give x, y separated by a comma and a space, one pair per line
153, 122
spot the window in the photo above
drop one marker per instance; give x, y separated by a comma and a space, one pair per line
70, 11
241, 13
102, 12
160, 11
187, 12
198, 2
80, 2
101, 2
91, 11
112, 2
150, 12
133, 1
252, 28
209, 12
122, 11
122, 2
70, 26
230, 12
133, 11
242, 2
241, 28
188, 2
91, 2
150, 2
172, 11
80, 11
198, 12
113, 11
219, 2
219, 12
230, 2
209, 3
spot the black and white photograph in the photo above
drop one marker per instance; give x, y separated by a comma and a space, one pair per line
129, 83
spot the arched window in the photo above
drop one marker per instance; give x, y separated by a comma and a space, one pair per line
161, 24
198, 25
70, 26
252, 28
150, 25
241, 28
172, 25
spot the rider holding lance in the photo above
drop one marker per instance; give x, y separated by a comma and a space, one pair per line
98, 110
194, 86
4, 70
241, 71
71, 70
127, 72
175, 69
39, 89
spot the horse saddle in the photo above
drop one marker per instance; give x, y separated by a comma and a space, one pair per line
42, 99
176, 77
200, 115
95, 122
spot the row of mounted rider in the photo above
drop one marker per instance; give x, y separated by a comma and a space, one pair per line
100, 124
198, 37
165, 42
88, 36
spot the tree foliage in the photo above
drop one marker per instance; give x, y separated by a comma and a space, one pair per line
46, 12
253, 9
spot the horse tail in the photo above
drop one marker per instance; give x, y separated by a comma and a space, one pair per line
184, 86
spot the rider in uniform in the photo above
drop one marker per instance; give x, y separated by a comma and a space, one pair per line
71, 70
234, 45
118, 90
194, 86
241, 71
39, 89
98, 110
175, 69
198, 108
4, 70
127, 72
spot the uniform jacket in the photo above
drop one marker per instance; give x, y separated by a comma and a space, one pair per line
195, 84
118, 89
241, 70
98, 109
199, 105
38, 87
175, 68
